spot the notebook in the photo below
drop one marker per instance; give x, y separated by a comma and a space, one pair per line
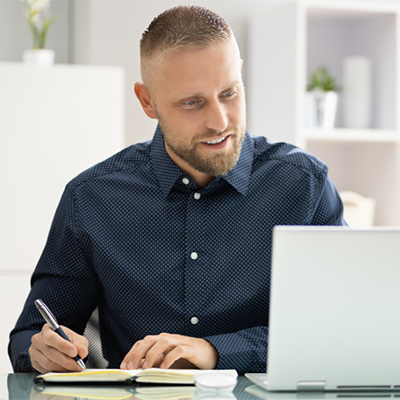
150, 375
334, 321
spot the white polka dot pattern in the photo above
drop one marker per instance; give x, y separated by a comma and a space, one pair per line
132, 237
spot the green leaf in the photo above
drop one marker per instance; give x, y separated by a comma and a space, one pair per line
46, 25
323, 80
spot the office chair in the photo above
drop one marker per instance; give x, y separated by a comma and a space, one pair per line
92, 334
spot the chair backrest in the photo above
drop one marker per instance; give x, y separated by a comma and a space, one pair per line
92, 333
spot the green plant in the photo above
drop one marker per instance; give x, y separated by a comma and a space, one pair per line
321, 79
39, 17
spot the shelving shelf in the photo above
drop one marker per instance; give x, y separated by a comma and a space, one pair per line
351, 135
286, 44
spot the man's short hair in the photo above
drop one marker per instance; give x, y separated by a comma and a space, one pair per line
183, 26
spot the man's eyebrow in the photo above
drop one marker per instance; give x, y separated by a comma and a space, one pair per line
186, 95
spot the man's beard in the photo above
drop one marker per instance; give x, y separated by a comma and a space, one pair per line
216, 165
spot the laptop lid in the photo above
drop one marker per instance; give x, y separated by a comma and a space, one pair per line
335, 309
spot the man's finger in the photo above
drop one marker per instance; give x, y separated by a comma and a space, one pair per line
138, 351
51, 360
57, 358
82, 351
50, 352
162, 346
179, 352
53, 339
198, 352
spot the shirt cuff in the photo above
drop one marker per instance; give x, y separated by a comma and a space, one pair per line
234, 353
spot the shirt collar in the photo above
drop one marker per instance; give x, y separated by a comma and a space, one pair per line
239, 175
168, 172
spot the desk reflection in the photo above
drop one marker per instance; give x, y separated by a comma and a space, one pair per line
22, 387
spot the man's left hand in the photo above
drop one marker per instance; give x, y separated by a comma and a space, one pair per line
171, 351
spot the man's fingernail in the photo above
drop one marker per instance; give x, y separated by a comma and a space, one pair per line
123, 365
71, 352
145, 364
162, 365
130, 365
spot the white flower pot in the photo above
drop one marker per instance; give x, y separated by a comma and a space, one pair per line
40, 57
321, 108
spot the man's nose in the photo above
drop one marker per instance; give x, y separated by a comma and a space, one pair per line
216, 117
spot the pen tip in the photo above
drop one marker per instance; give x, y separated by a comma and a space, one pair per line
81, 364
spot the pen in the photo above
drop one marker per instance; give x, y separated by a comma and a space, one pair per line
51, 320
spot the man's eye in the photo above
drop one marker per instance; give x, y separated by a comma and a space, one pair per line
191, 103
230, 94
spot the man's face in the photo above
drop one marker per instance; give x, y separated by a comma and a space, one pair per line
198, 97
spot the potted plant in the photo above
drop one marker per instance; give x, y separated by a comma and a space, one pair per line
321, 99
39, 18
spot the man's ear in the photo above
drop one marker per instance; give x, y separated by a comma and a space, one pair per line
145, 99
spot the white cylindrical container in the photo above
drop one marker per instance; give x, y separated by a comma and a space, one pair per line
40, 57
357, 92
331, 99
310, 109
320, 108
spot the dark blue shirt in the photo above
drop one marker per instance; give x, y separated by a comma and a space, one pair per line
135, 237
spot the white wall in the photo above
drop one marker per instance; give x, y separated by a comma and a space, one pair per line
15, 34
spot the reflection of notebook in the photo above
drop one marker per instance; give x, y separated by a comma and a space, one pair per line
88, 392
116, 392
334, 319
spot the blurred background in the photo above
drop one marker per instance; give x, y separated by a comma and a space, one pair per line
320, 74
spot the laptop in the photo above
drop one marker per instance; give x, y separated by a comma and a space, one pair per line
334, 321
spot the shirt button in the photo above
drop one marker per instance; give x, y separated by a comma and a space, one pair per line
194, 256
185, 181
197, 196
194, 320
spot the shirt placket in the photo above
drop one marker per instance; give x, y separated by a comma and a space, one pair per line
195, 258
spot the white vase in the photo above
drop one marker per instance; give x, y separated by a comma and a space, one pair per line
320, 108
39, 57
357, 95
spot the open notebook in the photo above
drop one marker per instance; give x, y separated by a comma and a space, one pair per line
151, 375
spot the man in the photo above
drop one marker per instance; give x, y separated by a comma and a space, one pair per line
171, 239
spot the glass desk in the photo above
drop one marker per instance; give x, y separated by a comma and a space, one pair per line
21, 387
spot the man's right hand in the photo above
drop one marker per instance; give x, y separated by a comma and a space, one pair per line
49, 352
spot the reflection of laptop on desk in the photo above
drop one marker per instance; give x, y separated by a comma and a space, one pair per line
334, 319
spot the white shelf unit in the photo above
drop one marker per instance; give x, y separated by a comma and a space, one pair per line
351, 135
55, 122
286, 44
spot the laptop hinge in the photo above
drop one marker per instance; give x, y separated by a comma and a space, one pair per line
311, 386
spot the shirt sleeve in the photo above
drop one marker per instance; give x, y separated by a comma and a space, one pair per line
245, 350
329, 206
63, 279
